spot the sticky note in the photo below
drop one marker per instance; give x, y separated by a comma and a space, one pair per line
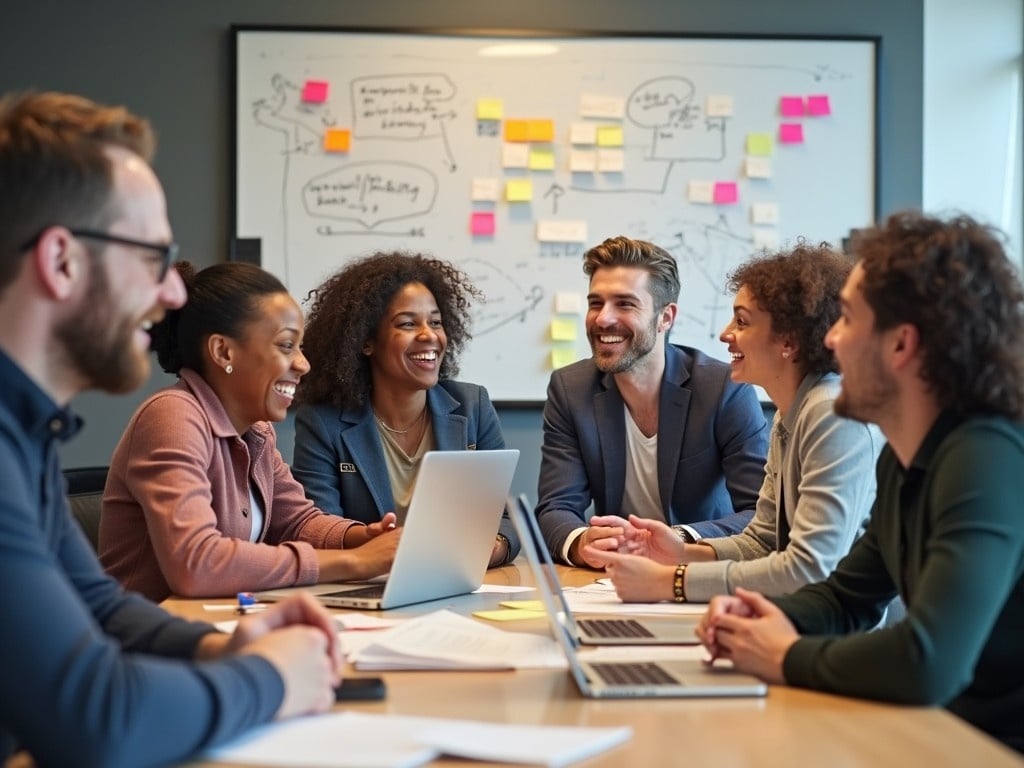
592, 105
484, 189
481, 223
568, 303
562, 231
700, 191
541, 160
540, 130
609, 136
759, 144
517, 130
583, 133
489, 109
582, 160
758, 167
337, 140
818, 105
508, 614
764, 213
719, 105
791, 106
515, 155
314, 91
519, 191
726, 192
611, 160
765, 239
523, 605
562, 356
791, 133
563, 329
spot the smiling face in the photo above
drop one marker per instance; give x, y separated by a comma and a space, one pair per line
410, 342
755, 350
623, 326
267, 363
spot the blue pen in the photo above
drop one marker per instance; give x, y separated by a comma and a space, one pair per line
246, 600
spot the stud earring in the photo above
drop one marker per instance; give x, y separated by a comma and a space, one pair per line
785, 354
229, 369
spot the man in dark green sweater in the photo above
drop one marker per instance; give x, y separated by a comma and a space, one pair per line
931, 347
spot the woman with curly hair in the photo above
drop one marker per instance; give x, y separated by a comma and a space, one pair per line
383, 338
819, 476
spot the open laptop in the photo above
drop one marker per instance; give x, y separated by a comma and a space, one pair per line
619, 679
447, 538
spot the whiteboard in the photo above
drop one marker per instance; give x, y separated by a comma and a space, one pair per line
350, 142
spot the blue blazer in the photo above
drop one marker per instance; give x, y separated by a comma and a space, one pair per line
712, 442
340, 462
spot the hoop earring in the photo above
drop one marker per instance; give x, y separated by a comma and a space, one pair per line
229, 369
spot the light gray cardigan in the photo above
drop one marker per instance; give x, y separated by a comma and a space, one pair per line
827, 469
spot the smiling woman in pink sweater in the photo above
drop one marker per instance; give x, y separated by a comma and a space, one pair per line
198, 500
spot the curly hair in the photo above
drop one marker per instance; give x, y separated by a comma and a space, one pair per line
348, 307
953, 282
621, 251
799, 289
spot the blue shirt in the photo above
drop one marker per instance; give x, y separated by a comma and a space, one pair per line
93, 675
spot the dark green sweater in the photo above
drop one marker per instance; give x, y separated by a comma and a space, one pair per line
947, 535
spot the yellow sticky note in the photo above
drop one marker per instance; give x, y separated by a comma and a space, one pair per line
519, 191
489, 109
563, 329
562, 356
508, 615
609, 136
540, 130
542, 160
337, 140
759, 144
517, 130
523, 605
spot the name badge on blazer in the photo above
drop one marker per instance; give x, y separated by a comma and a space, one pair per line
346, 467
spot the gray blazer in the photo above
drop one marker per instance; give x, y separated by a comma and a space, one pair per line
712, 440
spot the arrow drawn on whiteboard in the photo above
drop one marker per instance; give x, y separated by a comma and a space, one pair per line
555, 191
507, 300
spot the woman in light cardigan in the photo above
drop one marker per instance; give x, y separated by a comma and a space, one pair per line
198, 500
819, 480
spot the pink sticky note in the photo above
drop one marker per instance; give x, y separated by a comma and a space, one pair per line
818, 105
726, 192
482, 223
791, 133
315, 91
791, 106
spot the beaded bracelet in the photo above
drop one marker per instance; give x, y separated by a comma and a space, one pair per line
678, 584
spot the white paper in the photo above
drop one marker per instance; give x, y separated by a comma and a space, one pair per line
757, 167
766, 238
764, 213
568, 303
593, 105
611, 160
377, 741
362, 621
582, 160
515, 155
700, 191
583, 133
598, 598
557, 231
719, 105
485, 189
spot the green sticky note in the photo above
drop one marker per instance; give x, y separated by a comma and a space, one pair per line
563, 329
759, 144
562, 356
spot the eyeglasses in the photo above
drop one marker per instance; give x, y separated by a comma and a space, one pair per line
168, 252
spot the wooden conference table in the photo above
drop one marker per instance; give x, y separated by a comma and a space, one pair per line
789, 727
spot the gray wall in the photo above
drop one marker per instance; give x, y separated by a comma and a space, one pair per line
170, 62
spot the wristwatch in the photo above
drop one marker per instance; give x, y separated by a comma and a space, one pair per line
683, 534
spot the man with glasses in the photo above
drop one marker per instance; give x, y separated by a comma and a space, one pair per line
92, 675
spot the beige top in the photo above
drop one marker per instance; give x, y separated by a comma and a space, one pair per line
402, 468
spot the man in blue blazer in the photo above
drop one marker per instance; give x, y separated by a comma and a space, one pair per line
644, 427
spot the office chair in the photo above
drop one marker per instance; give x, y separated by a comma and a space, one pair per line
85, 497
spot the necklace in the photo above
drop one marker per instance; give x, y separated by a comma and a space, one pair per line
394, 431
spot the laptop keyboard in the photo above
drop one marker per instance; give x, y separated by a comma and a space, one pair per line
374, 590
632, 673
614, 628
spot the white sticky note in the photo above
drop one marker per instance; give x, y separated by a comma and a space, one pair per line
562, 231
611, 160
595, 105
766, 238
485, 189
568, 303
583, 133
515, 155
758, 167
700, 191
582, 160
719, 105
764, 213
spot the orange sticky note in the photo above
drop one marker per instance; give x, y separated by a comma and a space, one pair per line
517, 130
337, 140
540, 130
481, 223
314, 91
791, 133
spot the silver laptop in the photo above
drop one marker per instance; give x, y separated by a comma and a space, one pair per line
449, 531
620, 679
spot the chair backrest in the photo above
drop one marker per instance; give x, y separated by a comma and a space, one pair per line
85, 497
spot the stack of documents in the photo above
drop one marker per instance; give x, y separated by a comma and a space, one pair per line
346, 739
446, 640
